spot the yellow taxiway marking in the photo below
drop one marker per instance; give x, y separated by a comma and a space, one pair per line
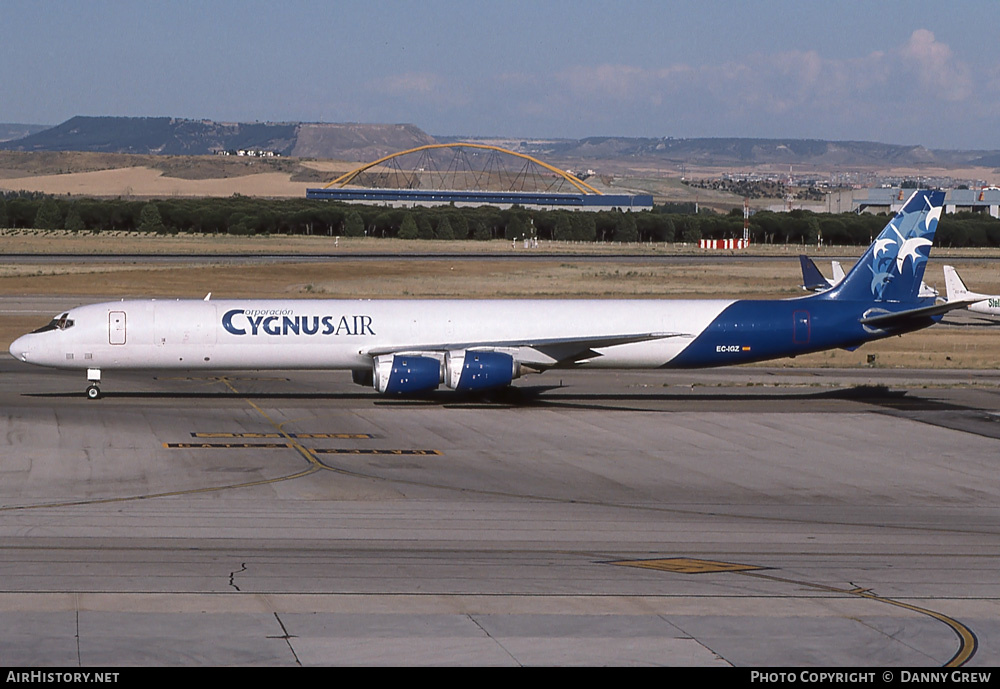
217, 379
228, 446
295, 444
368, 451
968, 643
167, 494
315, 436
686, 565
285, 446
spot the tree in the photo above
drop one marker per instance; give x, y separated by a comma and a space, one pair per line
689, 229
444, 230
382, 223
354, 226
516, 228
4, 222
74, 223
239, 223
667, 231
49, 217
460, 226
564, 228
150, 220
408, 228
626, 229
480, 230
424, 229
584, 227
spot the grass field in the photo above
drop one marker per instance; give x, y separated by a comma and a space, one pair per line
713, 275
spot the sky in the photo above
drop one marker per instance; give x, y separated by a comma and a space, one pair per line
903, 72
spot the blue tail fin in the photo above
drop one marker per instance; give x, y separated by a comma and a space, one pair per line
812, 279
893, 267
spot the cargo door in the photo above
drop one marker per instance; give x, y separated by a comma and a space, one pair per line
116, 327
800, 327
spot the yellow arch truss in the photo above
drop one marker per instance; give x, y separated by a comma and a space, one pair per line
582, 186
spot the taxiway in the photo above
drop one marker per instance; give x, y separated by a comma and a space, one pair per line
748, 517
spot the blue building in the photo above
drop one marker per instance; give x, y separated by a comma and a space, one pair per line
501, 199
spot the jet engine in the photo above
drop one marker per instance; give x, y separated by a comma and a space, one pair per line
479, 370
406, 373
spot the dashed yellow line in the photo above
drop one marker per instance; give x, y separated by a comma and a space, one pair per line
314, 436
285, 446
370, 451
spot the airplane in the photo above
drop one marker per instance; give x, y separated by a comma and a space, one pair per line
813, 280
414, 346
957, 291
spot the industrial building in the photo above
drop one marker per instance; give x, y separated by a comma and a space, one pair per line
891, 200
500, 199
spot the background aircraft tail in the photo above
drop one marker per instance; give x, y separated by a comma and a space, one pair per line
955, 288
838, 272
893, 267
812, 279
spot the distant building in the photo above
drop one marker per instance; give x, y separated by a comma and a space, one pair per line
891, 199
248, 153
501, 199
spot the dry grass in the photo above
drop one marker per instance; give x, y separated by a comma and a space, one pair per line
147, 182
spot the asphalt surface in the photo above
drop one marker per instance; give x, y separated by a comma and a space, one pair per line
747, 517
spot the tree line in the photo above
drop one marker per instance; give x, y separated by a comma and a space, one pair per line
241, 215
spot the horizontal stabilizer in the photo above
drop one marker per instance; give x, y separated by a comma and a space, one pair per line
903, 318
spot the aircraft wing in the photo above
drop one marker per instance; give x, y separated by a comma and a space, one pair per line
544, 352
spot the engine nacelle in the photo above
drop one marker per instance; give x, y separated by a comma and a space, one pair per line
471, 371
404, 373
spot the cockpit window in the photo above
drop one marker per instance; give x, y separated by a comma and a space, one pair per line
61, 322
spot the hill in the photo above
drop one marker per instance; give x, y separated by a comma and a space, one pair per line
365, 142
747, 152
10, 131
172, 136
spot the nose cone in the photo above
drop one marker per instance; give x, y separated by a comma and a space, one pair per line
20, 347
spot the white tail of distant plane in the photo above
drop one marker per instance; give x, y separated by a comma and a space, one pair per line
838, 273
958, 292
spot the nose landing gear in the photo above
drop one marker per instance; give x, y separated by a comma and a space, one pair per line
94, 378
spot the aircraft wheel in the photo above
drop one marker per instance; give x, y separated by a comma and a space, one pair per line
93, 392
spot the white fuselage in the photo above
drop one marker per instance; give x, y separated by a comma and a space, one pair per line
989, 305
344, 334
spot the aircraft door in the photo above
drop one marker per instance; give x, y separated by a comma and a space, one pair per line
116, 327
800, 327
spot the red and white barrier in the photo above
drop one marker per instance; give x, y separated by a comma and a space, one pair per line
724, 243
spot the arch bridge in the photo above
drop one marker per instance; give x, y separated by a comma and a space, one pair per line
469, 174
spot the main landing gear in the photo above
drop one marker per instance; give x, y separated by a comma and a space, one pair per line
94, 378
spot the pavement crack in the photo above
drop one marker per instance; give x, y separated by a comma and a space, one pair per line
494, 640
288, 639
232, 575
